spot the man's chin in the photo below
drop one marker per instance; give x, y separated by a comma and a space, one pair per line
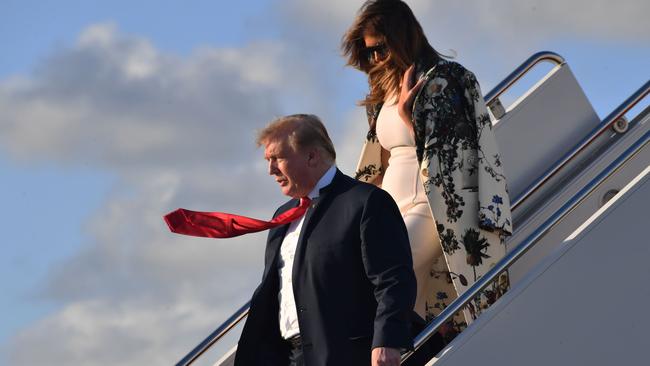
292, 194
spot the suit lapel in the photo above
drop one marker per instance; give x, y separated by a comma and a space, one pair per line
311, 219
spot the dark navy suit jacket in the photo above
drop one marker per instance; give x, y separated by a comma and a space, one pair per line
353, 281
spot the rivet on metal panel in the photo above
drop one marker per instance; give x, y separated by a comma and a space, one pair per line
621, 124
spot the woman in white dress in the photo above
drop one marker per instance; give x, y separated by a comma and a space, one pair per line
430, 145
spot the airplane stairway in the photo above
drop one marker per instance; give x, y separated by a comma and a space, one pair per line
578, 187
585, 303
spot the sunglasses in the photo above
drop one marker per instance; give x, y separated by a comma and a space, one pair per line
376, 53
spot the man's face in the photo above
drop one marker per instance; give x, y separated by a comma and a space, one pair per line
290, 168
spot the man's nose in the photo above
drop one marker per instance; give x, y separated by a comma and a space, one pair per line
273, 168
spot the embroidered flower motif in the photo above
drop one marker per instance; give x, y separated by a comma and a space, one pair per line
475, 246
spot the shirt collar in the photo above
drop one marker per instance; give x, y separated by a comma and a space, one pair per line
324, 181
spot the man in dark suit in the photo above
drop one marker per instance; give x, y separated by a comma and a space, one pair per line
338, 285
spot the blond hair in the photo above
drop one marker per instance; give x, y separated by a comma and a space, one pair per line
302, 131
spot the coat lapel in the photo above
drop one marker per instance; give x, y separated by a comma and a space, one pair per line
311, 218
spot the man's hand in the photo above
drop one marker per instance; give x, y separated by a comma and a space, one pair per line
384, 356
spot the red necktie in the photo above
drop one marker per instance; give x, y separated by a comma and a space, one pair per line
225, 225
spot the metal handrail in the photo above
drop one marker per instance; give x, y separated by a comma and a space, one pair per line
522, 248
628, 104
215, 336
520, 71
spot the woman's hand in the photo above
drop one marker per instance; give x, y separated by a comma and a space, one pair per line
407, 96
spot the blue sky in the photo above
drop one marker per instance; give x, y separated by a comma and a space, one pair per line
113, 113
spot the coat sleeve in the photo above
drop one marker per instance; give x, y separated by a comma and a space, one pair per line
388, 265
494, 202
451, 117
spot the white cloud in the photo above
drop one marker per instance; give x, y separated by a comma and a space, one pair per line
623, 20
594, 19
114, 334
492, 37
115, 100
140, 59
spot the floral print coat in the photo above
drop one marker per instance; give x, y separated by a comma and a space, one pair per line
463, 179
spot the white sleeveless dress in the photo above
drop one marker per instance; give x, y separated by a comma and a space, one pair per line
402, 181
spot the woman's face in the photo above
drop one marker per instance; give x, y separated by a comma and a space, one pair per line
375, 49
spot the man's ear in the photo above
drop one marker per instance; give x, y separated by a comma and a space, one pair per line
313, 157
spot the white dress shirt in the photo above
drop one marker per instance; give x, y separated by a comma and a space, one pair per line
288, 313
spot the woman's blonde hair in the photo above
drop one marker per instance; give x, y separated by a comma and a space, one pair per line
393, 22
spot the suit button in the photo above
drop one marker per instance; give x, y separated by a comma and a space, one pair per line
301, 310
